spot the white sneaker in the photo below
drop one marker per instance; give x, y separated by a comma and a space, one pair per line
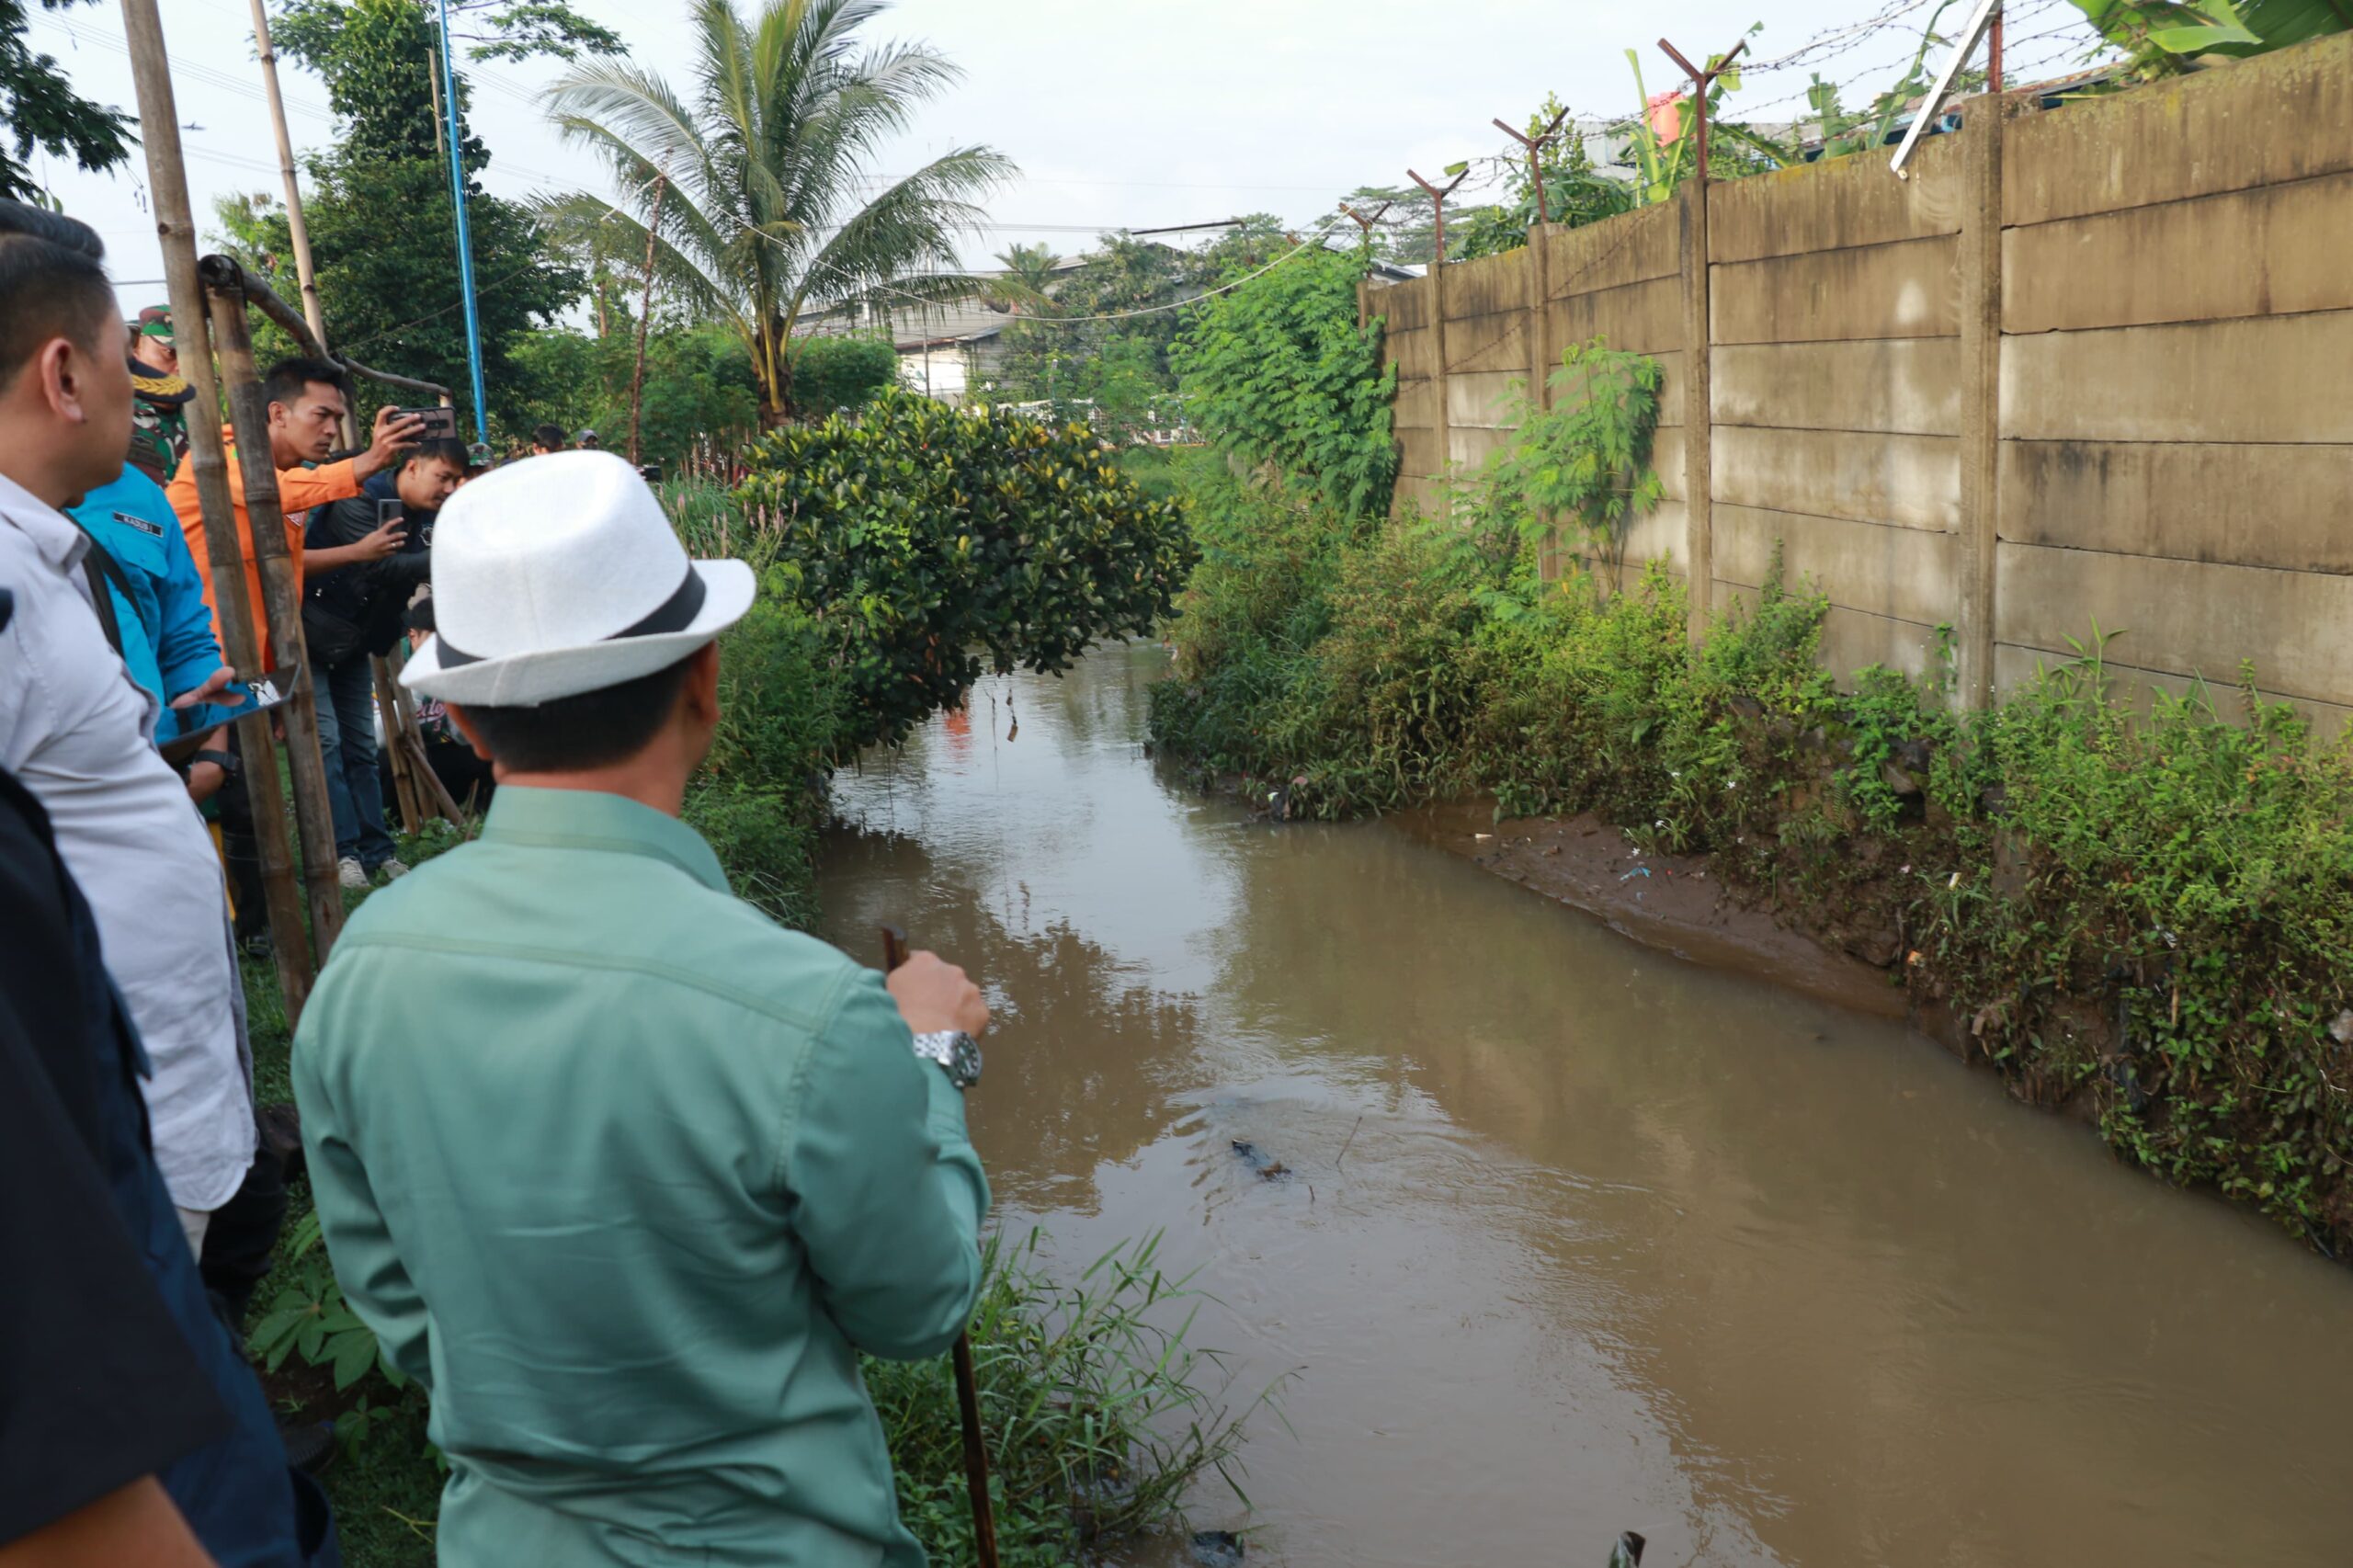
350, 873
393, 869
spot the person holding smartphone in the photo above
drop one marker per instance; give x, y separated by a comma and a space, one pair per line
353, 615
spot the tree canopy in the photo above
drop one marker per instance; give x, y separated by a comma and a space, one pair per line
42, 111
762, 173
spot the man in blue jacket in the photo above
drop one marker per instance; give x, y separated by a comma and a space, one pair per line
164, 629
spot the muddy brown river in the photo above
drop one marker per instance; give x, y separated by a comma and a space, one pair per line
1618, 1243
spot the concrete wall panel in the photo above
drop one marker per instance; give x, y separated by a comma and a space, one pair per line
1901, 385
1487, 343
1484, 399
2263, 122
1417, 450
2273, 251
1644, 317
1826, 206
2282, 507
1415, 492
1909, 289
1905, 573
1489, 285
1666, 460
2261, 379
1470, 448
1405, 306
1414, 353
1414, 406
1911, 482
1629, 248
2184, 617
1658, 534
2015, 668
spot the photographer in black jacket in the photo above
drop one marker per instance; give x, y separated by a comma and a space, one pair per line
351, 615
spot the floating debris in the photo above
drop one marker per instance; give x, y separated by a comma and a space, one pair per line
1217, 1548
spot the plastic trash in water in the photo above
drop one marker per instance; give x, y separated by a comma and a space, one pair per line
1628, 1552
1637, 871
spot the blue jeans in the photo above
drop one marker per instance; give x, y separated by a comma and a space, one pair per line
347, 746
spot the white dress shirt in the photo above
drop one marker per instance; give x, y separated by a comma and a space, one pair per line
75, 730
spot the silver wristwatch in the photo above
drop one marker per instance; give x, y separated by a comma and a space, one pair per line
957, 1053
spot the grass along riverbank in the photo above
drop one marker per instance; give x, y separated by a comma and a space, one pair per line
2138, 914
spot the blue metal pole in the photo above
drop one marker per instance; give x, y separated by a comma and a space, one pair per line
465, 245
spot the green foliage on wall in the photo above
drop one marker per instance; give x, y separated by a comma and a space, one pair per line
1586, 461
1278, 371
931, 544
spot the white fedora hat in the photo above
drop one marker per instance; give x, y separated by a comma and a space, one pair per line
560, 574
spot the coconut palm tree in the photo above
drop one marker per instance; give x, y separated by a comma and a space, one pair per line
1022, 284
768, 207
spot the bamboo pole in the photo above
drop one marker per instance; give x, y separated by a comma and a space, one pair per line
282, 593
404, 791
175, 230
295, 228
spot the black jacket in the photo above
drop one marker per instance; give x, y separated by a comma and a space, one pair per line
357, 610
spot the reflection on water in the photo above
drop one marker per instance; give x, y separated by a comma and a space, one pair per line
1581, 1238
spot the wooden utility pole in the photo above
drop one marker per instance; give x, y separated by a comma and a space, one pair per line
176, 228
295, 228
645, 309
281, 593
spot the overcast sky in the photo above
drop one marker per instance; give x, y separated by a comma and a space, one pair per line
1119, 112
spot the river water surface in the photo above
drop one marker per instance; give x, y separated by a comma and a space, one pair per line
1581, 1238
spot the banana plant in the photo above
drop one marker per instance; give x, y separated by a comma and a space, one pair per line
1662, 163
2161, 35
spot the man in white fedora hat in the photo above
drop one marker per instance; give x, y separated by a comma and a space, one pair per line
622, 1172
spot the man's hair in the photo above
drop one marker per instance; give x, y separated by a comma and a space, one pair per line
594, 729
445, 449
52, 284
289, 377
549, 436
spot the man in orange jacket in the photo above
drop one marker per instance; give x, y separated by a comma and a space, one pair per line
307, 400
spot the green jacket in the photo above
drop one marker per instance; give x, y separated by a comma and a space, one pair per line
626, 1174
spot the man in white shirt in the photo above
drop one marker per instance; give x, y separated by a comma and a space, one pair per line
74, 728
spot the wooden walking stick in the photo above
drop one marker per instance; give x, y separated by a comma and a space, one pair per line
968, 1388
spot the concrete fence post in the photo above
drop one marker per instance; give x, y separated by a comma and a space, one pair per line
1438, 385
1980, 399
1539, 370
1699, 548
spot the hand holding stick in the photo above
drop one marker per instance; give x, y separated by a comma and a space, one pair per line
967, 1389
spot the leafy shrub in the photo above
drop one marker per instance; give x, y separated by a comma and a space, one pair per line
930, 544
841, 375
1278, 371
1586, 459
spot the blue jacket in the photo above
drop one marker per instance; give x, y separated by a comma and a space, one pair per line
168, 640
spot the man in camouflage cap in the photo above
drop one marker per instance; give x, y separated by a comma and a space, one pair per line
159, 397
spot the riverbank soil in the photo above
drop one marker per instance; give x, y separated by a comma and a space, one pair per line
1677, 902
